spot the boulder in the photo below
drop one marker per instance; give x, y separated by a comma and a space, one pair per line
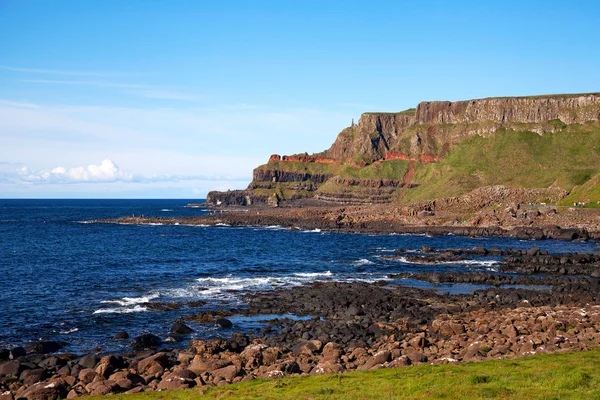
161, 359
223, 323
6, 396
11, 368
145, 341
238, 342
17, 352
45, 391
121, 336
227, 373
87, 375
31, 376
378, 358
179, 328
43, 347
89, 361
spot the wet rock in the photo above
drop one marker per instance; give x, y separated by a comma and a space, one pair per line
223, 323
17, 352
145, 341
121, 336
43, 347
180, 328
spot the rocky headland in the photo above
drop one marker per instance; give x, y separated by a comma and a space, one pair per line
540, 146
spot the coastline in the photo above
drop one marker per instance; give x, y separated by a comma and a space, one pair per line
383, 220
535, 303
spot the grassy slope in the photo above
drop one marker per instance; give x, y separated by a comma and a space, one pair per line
550, 376
520, 159
588, 193
569, 159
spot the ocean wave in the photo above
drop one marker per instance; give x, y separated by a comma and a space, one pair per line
166, 210
362, 261
313, 274
129, 301
137, 308
488, 263
69, 331
222, 224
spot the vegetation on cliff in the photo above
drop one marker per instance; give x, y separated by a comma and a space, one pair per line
445, 149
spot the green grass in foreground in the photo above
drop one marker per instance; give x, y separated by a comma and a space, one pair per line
551, 376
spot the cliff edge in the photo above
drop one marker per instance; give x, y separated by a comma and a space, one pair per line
443, 149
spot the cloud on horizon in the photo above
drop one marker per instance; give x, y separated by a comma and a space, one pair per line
105, 172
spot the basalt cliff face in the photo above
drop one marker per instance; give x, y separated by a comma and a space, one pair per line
437, 150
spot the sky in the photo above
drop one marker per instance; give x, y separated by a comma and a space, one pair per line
171, 99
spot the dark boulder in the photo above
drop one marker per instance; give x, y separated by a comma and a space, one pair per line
121, 336
89, 361
180, 328
224, 323
17, 352
145, 341
43, 347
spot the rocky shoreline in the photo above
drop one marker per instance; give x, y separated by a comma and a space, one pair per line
350, 326
351, 220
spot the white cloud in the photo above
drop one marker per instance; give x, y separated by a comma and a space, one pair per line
217, 146
106, 172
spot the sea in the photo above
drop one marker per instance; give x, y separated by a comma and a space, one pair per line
65, 279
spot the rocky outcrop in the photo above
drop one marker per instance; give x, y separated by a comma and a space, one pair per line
419, 136
435, 126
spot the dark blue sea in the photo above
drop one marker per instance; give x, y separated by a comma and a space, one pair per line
66, 280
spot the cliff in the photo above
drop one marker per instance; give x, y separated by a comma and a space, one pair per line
434, 127
442, 148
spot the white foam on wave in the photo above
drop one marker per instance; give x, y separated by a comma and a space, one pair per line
488, 263
154, 223
313, 274
166, 210
222, 224
362, 261
69, 331
137, 308
130, 301
316, 230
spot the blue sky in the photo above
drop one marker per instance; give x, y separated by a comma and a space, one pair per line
173, 99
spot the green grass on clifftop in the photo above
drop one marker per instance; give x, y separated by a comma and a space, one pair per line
550, 376
566, 159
